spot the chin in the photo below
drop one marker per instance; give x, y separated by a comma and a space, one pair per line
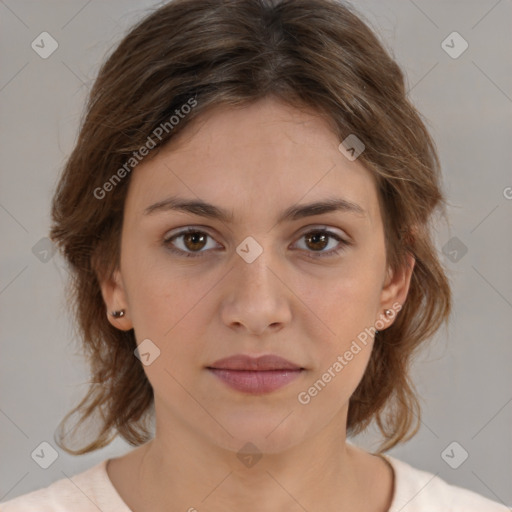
269, 433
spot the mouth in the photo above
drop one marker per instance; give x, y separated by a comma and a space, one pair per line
255, 375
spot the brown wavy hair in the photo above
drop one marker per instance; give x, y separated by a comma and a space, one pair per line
307, 53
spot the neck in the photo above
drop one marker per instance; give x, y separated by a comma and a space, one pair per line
182, 471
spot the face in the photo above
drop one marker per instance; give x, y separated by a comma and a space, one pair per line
302, 287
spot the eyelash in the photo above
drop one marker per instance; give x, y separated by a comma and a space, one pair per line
331, 234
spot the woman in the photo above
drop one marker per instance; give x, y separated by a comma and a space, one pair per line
247, 219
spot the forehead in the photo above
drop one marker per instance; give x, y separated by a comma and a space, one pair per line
254, 159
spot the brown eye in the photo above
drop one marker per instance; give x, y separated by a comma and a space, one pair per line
317, 240
188, 242
194, 241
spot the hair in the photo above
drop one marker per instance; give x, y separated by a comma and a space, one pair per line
316, 54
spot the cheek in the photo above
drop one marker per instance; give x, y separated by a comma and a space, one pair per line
166, 301
345, 302
154, 289
161, 301
164, 306
345, 298
331, 388
344, 346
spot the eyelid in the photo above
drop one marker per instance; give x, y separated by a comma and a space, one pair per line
324, 227
306, 229
189, 229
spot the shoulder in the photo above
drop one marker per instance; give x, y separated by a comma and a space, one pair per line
85, 492
421, 491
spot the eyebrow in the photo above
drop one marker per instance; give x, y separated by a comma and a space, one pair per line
294, 212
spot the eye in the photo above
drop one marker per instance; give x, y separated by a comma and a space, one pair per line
318, 239
191, 240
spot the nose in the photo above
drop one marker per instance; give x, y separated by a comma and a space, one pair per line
257, 298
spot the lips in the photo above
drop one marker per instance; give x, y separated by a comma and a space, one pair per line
255, 375
262, 363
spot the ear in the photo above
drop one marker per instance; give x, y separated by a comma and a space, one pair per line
394, 291
114, 295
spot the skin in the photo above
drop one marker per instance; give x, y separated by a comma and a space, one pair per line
255, 161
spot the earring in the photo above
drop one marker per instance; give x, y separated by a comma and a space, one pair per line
387, 312
118, 314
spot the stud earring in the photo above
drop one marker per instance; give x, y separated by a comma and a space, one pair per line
118, 314
387, 312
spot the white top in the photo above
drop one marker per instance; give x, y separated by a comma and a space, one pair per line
92, 490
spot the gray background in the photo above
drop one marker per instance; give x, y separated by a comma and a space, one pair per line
463, 376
